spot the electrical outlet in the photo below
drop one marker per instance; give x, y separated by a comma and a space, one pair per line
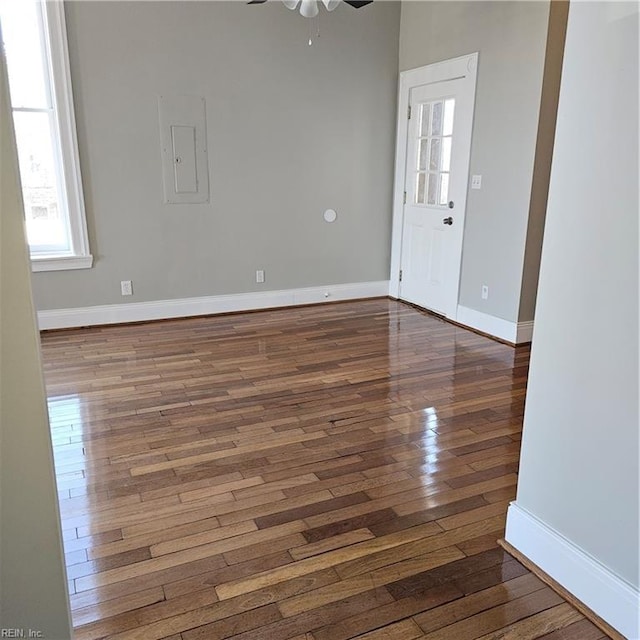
476, 182
260, 276
126, 288
485, 292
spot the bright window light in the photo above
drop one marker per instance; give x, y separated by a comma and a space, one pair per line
34, 37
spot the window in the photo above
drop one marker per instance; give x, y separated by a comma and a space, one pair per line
434, 155
34, 36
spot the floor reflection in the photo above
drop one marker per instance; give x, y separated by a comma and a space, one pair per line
186, 449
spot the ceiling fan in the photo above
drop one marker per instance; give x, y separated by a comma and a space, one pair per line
309, 8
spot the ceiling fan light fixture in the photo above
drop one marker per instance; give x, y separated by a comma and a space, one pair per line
291, 4
330, 5
309, 8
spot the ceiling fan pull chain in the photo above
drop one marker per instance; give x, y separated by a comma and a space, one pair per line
314, 21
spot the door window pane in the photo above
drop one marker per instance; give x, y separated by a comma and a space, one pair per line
446, 154
434, 149
423, 154
436, 119
432, 191
420, 188
444, 188
425, 119
447, 128
434, 157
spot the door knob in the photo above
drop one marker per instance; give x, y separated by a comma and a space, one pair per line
448, 220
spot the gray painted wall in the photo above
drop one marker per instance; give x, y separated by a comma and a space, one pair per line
579, 466
33, 586
292, 130
511, 39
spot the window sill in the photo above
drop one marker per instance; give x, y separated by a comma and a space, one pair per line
60, 263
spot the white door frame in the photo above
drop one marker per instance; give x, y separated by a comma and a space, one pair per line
462, 67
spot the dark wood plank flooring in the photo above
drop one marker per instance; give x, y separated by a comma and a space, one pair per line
321, 473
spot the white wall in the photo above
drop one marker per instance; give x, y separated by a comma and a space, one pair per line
578, 487
511, 39
292, 130
33, 584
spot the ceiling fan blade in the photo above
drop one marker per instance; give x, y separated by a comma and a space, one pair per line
356, 4
330, 5
309, 8
256, 1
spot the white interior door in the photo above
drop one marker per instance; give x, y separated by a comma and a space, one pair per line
435, 160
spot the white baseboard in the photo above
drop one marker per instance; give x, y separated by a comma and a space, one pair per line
514, 332
606, 594
524, 332
185, 307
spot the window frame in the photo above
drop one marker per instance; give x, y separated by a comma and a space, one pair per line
65, 145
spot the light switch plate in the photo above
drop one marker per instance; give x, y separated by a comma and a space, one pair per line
476, 182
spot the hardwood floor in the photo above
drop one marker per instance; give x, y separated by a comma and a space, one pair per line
322, 473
